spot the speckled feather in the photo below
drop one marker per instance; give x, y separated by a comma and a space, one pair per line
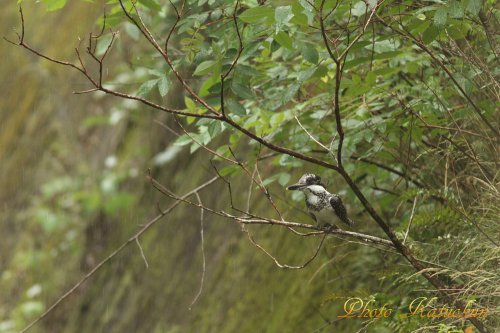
323, 206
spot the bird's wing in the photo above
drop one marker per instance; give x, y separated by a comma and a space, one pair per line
339, 209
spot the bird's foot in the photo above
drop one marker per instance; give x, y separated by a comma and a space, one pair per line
329, 227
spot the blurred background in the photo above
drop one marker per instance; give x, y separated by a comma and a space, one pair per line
73, 188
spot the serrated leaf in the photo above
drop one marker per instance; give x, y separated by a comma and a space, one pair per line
163, 86
183, 140
456, 10
474, 6
440, 17
241, 90
214, 128
227, 170
309, 53
234, 107
190, 104
146, 87
282, 15
277, 119
151, 4
359, 9
256, 14
204, 67
430, 34
284, 40
290, 92
269, 180
216, 14
194, 147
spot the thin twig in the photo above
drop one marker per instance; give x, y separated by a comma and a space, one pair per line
411, 219
202, 210
142, 252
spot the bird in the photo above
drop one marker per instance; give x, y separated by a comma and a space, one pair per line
324, 207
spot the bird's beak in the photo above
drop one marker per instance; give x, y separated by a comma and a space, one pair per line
295, 187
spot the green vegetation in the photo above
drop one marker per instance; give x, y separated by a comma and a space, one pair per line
394, 104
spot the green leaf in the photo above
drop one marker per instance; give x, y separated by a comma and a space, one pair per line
163, 86
430, 34
183, 140
214, 128
282, 15
151, 4
241, 90
204, 67
420, 27
359, 9
309, 53
277, 119
190, 105
206, 87
227, 170
370, 79
146, 87
456, 9
290, 92
256, 14
54, 4
234, 107
421, 16
440, 17
284, 178
284, 40
474, 6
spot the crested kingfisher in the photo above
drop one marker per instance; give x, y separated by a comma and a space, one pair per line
324, 207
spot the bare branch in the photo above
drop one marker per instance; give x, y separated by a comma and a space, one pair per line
411, 219
202, 210
142, 252
276, 262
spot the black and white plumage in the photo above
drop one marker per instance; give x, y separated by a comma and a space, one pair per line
326, 208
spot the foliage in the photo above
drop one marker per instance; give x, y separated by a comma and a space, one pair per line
418, 100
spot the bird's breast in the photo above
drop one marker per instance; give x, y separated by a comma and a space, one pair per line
326, 215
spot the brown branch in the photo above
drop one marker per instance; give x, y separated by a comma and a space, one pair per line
387, 168
276, 262
491, 30
253, 219
406, 34
233, 64
146, 33
397, 244
323, 32
202, 252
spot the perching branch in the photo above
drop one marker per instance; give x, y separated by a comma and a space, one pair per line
339, 60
